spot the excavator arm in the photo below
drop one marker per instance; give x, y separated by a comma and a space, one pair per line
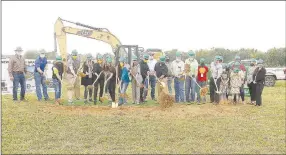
100, 34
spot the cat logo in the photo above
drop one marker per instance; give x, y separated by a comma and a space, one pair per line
84, 33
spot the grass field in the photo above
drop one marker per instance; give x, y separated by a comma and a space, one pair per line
38, 128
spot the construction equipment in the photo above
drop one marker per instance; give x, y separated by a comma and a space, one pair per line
101, 34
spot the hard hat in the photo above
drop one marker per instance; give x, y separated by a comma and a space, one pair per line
134, 57
202, 60
191, 53
74, 52
237, 57
162, 58
178, 53
58, 57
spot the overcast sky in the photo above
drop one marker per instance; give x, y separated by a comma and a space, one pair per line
165, 25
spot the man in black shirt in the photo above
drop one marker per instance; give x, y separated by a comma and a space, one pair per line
161, 70
144, 69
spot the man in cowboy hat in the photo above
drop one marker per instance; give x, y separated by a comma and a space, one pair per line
40, 75
16, 71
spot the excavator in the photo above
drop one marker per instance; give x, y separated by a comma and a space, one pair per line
101, 34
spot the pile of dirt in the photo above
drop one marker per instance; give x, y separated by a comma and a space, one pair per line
165, 100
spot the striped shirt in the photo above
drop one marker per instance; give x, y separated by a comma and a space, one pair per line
16, 64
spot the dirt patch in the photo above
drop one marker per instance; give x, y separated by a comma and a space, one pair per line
176, 111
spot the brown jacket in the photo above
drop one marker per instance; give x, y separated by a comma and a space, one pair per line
16, 64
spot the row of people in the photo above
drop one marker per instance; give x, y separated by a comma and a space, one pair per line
187, 77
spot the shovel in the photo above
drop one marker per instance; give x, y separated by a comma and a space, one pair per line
103, 97
92, 86
217, 91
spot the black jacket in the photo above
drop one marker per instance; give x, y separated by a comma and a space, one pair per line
161, 69
260, 75
86, 80
144, 68
97, 68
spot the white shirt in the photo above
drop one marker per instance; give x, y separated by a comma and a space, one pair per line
178, 67
151, 65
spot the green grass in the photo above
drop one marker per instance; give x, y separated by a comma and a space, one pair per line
38, 128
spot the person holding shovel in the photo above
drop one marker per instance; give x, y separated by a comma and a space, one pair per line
170, 75
236, 81
191, 77
242, 68
216, 71
40, 75
112, 81
136, 80
73, 86
202, 79
57, 70
144, 71
97, 69
86, 81
161, 71
125, 79
178, 71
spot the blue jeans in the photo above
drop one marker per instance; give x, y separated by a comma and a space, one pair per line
169, 82
153, 85
19, 78
190, 85
179, 90
202, 84
40, 80
58, 88
124, 86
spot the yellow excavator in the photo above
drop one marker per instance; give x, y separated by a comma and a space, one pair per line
101, 34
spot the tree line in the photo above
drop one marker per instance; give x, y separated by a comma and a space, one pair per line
274, 57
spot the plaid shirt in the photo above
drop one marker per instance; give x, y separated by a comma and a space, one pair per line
16, 64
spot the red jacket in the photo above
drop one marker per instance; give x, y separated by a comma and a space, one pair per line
202, 73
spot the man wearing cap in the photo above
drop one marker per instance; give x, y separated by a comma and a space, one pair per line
151, 64
178, 72
73, 67
202, 78
216, 71
136, 80
144, 70
40, 75
170, 74
249, 76
16, 71
97, 68
161, 71
57, 70
259, 80
87, 80
243, 70
191, 77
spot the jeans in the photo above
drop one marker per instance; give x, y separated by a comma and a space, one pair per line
40, 80
201, 84
169, 82
190, 85
153, 85
179, 90
58, 88
124, 86
19, 78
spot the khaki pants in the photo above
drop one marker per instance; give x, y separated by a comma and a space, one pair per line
135, 91
159, 89
73, 86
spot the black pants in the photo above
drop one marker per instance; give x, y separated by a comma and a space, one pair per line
259, 89
111, 88
87, 91
241, 93
252, 90
99, 82
214, 97
142, 91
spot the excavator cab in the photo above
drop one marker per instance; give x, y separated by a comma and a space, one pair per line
130, 51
